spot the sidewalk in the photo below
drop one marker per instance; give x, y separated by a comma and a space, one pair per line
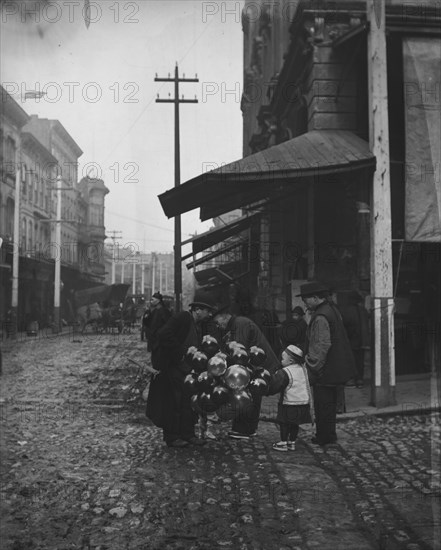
415, 394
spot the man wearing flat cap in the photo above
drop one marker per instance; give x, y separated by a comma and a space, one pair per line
328, 358
168, 405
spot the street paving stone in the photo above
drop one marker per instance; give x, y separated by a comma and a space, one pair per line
82, 468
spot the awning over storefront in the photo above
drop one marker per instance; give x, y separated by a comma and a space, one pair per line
220, 234
216, 253
259, 176
221, 275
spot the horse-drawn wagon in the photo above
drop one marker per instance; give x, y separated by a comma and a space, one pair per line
101, 307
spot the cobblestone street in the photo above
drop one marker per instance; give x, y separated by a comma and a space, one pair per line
82, 468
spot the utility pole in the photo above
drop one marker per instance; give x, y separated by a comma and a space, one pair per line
134, 278
177, 247
383, 387
15, 254
57, 277
142, 276
115, 235
153, 271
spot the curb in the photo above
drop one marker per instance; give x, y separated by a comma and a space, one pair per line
381, 413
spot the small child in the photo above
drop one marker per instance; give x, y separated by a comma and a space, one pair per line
295, 403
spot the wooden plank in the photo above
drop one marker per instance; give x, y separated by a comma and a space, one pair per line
332, 105
301, 152
325, 54
330, 88
340, 146
355, 147
324, 149
328, 71
329, 121
293, 156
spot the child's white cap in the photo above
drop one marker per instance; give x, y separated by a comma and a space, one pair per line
294, 352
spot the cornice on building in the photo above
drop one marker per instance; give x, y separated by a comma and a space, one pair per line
28, 140
12, 110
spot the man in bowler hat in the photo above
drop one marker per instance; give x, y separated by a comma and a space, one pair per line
328, 358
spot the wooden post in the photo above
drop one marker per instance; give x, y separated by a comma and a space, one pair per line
177, 245
383, 386
15, 254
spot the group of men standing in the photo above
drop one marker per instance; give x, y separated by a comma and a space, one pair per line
327, 351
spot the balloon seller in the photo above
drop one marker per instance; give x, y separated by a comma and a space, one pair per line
295, 404
168, 403
245, 332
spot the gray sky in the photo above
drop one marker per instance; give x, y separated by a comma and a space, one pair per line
99, 84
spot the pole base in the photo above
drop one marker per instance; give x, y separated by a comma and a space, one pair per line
383, 396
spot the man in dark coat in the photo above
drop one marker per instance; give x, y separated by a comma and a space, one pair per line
356, 322
245, 331
157, 318
168, 404
328, 357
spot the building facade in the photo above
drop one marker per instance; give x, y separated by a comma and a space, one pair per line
45, 153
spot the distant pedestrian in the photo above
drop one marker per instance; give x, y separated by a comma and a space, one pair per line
156, 319
328, 358
296, 403
144, 318
293, 331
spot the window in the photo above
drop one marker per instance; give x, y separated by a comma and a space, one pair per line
35, 180
29, 236
10, 217
10, 155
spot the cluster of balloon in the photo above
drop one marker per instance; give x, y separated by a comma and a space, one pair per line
218, 379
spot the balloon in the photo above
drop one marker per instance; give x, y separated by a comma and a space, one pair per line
205, 381
241, 401
221, 395
231, 346
206, 402
199, 361
195, 404
216, 366
209, 345
191, 384
258, 386
240, 357
225, 413
236, 377
265, 375
257, 356
188, 357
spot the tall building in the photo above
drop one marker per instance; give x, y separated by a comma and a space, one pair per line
46, 153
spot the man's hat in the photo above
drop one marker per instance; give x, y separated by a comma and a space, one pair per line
158, 296
294, 352
222, 308
312, 289
204, 299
